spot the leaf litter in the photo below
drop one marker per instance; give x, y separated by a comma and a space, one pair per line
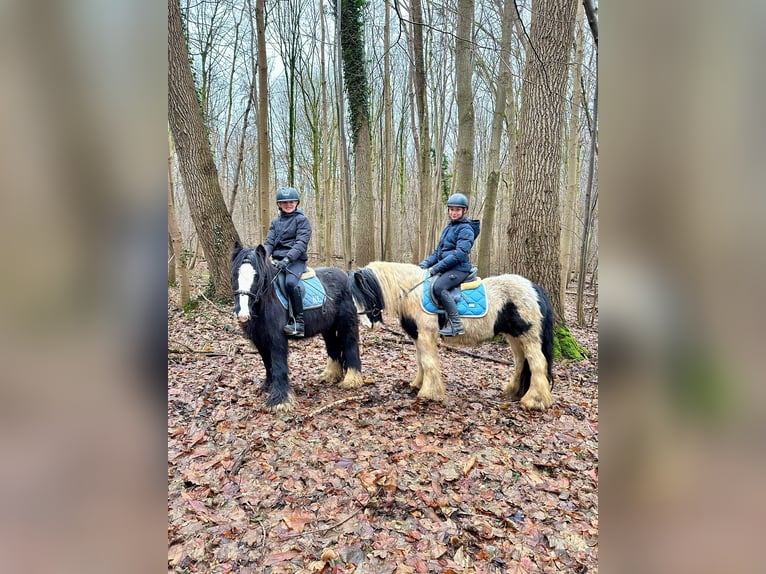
371, 480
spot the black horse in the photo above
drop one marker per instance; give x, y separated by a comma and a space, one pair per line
262, 316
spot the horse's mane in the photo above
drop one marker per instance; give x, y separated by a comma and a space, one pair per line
365, 287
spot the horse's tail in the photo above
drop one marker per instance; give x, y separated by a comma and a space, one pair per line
546, 330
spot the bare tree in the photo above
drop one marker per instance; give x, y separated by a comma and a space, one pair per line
424, 133
327, 196
569, 207
535, 227
355, 81
590, 205
464, 97
288, 24
388, 138
345, 180
198, 170
174, 233
264, 142
498, 116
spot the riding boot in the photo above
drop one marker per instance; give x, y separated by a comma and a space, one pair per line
296, 329
455, 326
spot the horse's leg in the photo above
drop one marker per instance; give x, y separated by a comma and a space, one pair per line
538, 397
512, 388
333, 372
432, 387
349, 335
266, 358
281, 397
417, 382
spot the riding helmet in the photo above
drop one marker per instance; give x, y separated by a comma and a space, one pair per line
288, 194
457, 200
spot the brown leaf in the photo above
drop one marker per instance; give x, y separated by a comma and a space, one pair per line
298, 520
468, 465
196, 437
329, 554
278, 557
368, 480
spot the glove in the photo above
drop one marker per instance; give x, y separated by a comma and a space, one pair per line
434, 271
423, 265
282, 263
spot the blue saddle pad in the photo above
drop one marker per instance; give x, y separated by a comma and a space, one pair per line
313, 293
472, 302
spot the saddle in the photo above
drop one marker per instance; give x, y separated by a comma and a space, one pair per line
471, 282
470, 296
313, 291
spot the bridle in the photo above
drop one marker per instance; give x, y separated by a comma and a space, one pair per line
261, 292
255, 296
375, 312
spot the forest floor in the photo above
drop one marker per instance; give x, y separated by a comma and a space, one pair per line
371, 480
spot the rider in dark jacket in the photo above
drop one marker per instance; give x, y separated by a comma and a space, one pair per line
287, 244
451, 259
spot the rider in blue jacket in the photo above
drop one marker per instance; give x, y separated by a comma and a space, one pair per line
287, 243
451, 259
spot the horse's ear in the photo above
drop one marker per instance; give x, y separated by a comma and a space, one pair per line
236, 250
261, 251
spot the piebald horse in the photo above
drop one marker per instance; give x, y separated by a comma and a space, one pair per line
517, 308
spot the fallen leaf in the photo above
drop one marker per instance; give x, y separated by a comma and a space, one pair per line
329, 554
279, 557
298, 520
469, 464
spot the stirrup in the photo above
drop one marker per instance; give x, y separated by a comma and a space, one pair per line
291, 328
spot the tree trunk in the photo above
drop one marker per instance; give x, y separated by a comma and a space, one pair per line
364, 239
264, 144
535, 226
464, 97
493, 178
171, 262
424, 154
388, 138
355, 81
569, 210
345, 204
179, 261
229, 106
241, 146
198, 171
329, 232
588, 214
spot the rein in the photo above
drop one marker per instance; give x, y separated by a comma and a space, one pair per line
411, 289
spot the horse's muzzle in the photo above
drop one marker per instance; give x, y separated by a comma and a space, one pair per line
243, 317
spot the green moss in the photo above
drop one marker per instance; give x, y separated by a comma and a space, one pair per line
566, 347
191, 305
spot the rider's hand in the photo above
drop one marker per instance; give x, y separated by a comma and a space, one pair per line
282, 263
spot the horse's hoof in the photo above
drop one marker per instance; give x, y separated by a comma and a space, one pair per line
286, 407
430, 397
332, 373
352, 380
536, 402
512, 393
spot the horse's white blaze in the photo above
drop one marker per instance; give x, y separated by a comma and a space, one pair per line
244, 282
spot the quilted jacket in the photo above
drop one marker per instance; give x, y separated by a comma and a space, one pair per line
289, 236
454, 248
